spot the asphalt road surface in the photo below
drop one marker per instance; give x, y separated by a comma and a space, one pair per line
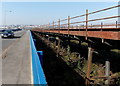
6, 42
16, 66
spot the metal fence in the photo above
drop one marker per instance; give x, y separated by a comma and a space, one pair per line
71, 25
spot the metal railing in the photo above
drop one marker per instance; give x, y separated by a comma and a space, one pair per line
59, 25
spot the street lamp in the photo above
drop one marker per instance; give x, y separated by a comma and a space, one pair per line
5, 22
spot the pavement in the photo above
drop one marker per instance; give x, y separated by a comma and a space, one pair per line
16, 66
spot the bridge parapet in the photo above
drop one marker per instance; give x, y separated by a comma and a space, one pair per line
37, 71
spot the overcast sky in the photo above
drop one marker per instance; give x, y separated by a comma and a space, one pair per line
46, 12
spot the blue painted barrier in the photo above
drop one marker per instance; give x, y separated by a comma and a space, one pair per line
38, 74
40, 54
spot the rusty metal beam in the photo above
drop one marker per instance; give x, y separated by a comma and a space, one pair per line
114, 35
104, 34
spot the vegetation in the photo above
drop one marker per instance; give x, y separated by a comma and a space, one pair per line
75, 57
78, 62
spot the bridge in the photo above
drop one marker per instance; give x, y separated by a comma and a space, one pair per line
98, 36
26, 66
104, 31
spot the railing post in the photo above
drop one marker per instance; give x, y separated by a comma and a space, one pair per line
91, 25
116, 24
53, 24
101, 25
49, 26
46, 26
68, 25
86, 22
59, 26
68, 30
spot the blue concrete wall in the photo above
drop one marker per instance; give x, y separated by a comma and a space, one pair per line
38, 74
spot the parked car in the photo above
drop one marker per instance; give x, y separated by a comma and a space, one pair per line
7, 33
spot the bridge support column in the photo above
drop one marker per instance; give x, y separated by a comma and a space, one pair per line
43, 36
89, 64
80, 44
107, 72
48, 38
58, 46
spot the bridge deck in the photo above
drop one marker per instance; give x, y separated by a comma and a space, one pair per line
16, 66
114, 35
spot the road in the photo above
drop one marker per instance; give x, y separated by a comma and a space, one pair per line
16, 65
6, 42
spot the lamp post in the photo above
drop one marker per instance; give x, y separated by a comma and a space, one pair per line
5, 18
